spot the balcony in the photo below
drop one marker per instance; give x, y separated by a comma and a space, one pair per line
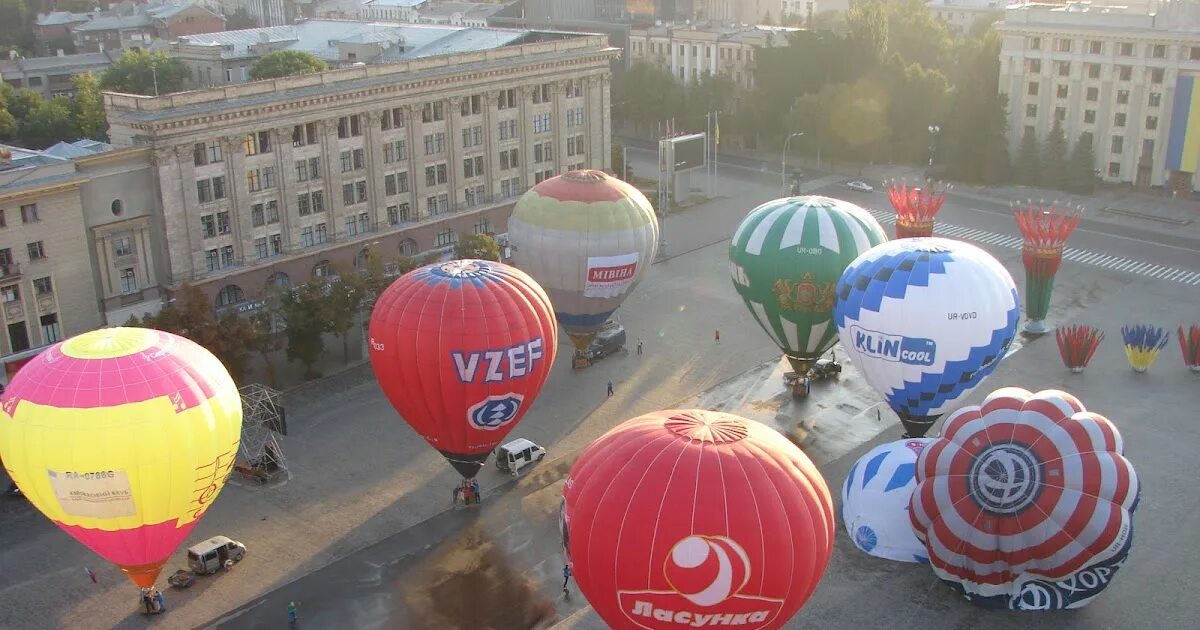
10, 270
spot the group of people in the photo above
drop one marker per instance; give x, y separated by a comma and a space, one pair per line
468, 490
152, 599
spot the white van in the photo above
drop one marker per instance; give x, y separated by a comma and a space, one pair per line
517, 454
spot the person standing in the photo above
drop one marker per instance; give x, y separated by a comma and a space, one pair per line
90, 574
610, 388
717, 335
292, 612
566, 578
475, 491
158, 599
639, 347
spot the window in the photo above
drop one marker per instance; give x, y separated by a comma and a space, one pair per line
29, 213
445, 237
1148, 147
574, 88
348, 194
1125, 50
36, 250
473, 166
541, 93
305, 134
435, 143
575, 117
1064, 45
257, 143
364, 222
227, 256
435, 174
472, 136
322, 233
508, 159
575, 145
253, 181
276, 244
18, 336
1114, 169
1156, 75
1093, 94
1035, 66
199, 156
206, 153
1035, 43
393, 215
318, 201
306, 236
1152, 122
360, 191
123, 246
506, 99
210, 256
260, 247
1032, 90
395, 151
1093, 70
272, 211
43, 286
209, 190
1159, 51
1118, 144
474, 195
349, 126
1119, 119
510, 187
433, 112
347, 161
392, 119
395, 183
1095, 47
1155, 99
223, 223
1064, 68
541, 176
1194, 53
482, 226
218, 187
1062, 91
302, 206
51, 333
268, 177
3, 219
1122, 97
507, 129
471, 105
541, 123
1060, 113
543, 152
301, 170
10, 293
1125, 73
257, 215
351, 226
1030, 111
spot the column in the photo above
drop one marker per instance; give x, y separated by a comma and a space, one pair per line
104, 264
454, 150
525, 133
177, 181
333, 177
285, 165
238, 195
559, 130
416, 160
491, 147
373, 147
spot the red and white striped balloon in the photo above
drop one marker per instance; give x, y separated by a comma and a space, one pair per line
1026, 501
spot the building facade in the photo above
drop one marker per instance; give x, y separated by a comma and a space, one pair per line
1113, 73
690, 51
960, 16
53, 76
275, 182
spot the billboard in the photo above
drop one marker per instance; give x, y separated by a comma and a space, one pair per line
689, 152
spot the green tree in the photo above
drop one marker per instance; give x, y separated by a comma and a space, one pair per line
374, 276
21, 102
915, 35
16, 25
478, 246
341, 304
1081, 169
919, 98
402, 264
63, 43
867, 23
305, 316
239, 20
1053, 172
645, 94
191, 315
237, 336
268, 322
49, 122
8, 124
1028, 166
285, 63
974, 139
708, 93
88, 107
140, 71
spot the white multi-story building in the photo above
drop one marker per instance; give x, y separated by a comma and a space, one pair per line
960, 16
689, 51
1124, 76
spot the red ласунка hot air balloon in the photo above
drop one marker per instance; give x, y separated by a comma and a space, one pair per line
690, 518
461, 349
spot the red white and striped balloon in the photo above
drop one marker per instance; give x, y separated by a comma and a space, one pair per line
694, 518
1026, 501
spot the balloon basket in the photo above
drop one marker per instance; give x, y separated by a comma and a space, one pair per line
580, 361
1139, 370
1076, 370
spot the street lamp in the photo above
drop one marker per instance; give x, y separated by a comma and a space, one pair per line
934, 130
783, 163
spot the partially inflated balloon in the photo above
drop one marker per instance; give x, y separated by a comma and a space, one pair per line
588, 239
786, 258
875, 501
926, 320
677, 519
461, 349
123, 437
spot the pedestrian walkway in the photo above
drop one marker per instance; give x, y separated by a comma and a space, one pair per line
1070, 254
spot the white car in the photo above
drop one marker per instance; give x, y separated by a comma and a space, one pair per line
517, 454
860, 186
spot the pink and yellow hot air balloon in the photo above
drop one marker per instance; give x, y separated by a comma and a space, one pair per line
123, 437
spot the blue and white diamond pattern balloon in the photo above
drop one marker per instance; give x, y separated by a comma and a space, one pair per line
925, 320
875, 501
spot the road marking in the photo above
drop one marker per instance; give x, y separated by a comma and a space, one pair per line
1093, 259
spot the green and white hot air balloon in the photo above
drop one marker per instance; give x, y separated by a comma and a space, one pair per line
588, 239
786, 258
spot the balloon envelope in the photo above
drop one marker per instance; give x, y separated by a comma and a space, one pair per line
786, 258
1026, 501
588, 239
680, 517
461, 349
875, 501
123, 437
925, 320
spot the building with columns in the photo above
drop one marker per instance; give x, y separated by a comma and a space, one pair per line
1125, 76
691, 50
274, 182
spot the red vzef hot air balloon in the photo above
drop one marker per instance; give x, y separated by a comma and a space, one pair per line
461, 349
694, 518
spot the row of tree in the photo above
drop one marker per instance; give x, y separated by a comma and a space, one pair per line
865, 89
294, 319
1049, 164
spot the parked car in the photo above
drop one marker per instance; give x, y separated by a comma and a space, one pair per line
517, 454
214, 554
610, 339
859, 186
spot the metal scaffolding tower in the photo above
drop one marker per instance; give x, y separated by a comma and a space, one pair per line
260, 454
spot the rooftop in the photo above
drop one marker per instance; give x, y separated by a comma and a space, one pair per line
115, 22
322, 37
66, 63
411, 4
79, 148
60, 18
467, 9
723, 32
1175, 16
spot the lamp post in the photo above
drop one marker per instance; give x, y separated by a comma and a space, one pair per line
934, 130
783, 163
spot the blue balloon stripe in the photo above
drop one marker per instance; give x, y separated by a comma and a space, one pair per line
903, 474
872, 468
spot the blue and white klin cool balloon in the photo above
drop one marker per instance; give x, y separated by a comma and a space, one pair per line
925, 320
875, 501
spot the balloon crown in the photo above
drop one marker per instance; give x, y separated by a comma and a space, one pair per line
462, 269
702, 427
585, 176
924, 244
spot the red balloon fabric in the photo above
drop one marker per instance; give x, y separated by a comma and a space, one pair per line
461, 349
696, 518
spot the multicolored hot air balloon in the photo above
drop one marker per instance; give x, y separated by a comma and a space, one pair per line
1026, 501
461, 349
786, 258
875, 501
926, 320
123, 437
685, 517
588, 239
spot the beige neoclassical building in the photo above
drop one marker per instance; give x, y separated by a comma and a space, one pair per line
276, 181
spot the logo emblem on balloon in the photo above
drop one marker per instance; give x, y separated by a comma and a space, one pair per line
495, 411
704, 571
